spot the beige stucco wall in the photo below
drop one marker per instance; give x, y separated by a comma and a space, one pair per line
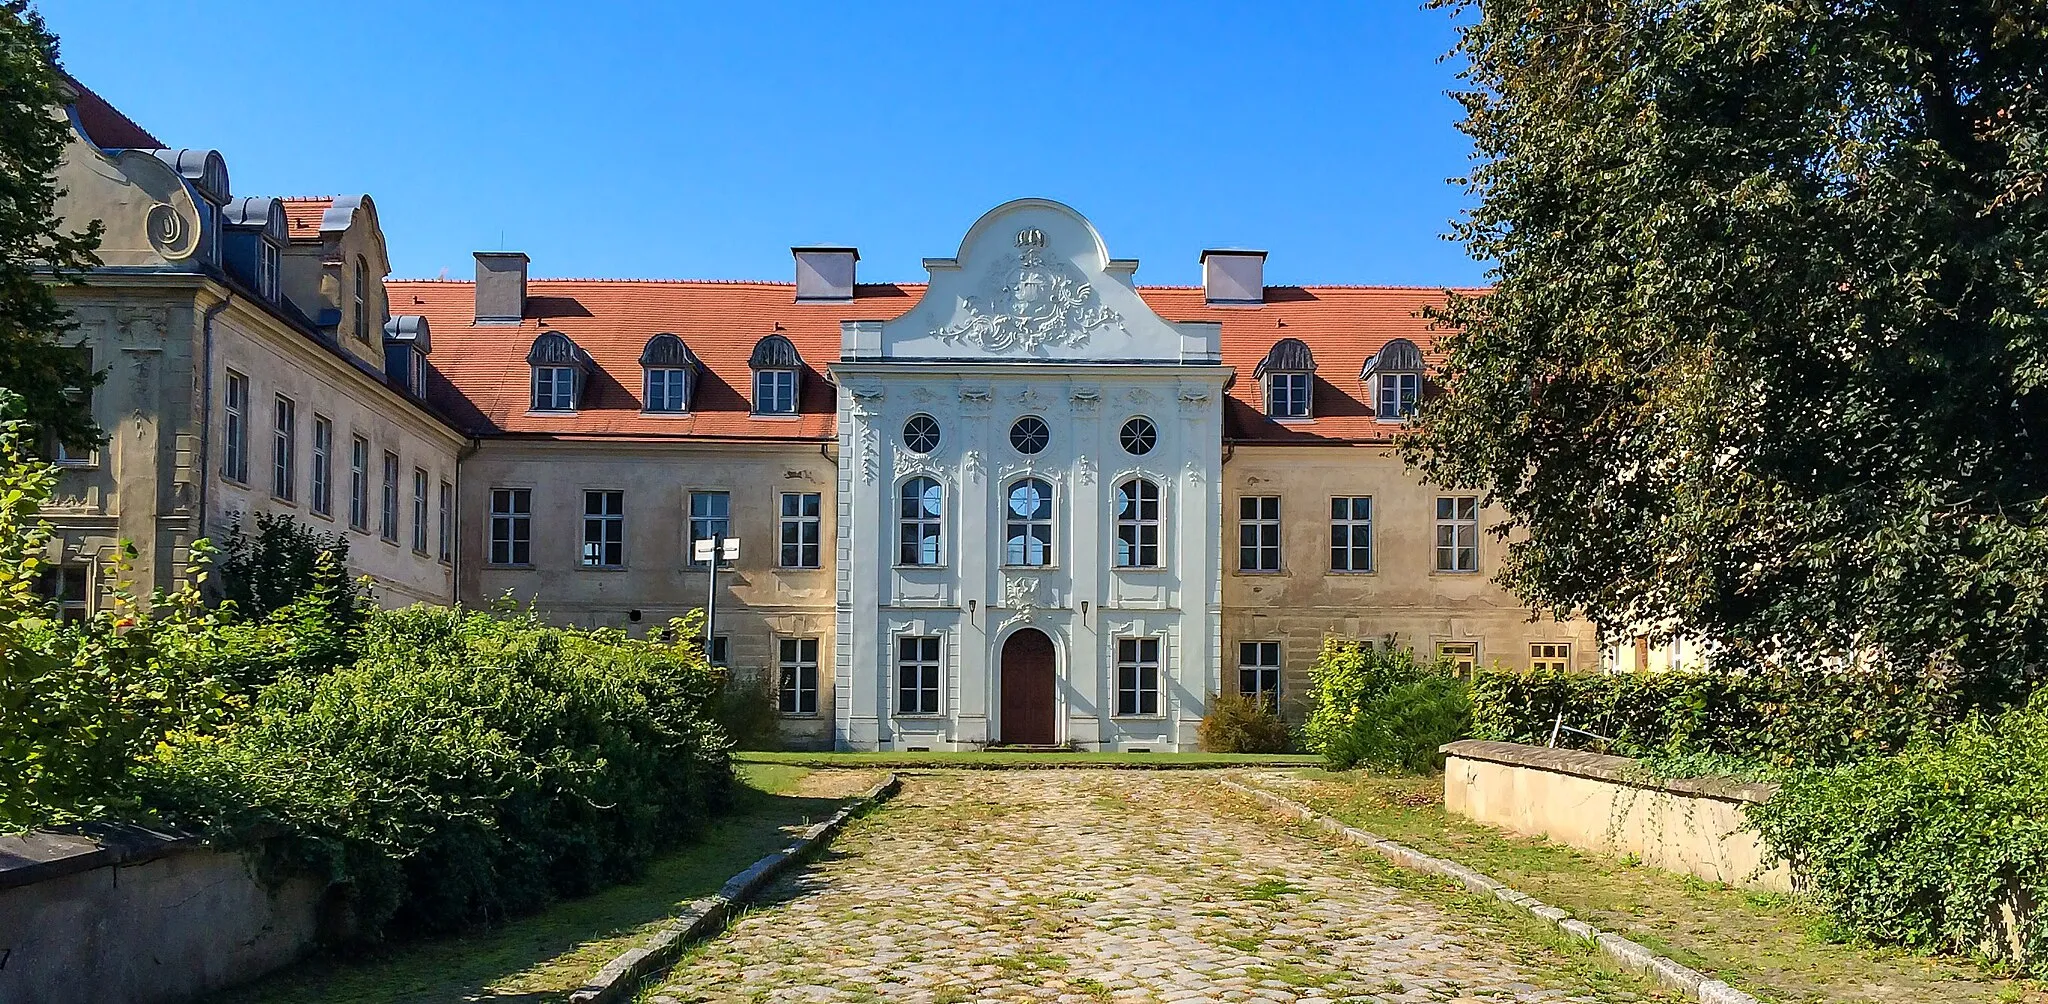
319, 273
758, 604
1689, 833
1403, 596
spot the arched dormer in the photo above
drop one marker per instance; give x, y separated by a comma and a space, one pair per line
1286, 379
206, 173
561, 371
1394, 374
776, 366
406, 344
253, 249
671, 370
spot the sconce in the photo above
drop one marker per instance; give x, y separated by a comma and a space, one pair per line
970, 609
1084, 610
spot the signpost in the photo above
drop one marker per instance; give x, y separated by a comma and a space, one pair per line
727, 551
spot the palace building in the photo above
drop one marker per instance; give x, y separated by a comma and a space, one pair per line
1026, 501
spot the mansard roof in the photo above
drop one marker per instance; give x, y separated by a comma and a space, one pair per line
488, 381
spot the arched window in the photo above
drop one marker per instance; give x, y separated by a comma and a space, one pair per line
775, 364
1137, 524
671, 374
921, 506
361, 294
1395, 375
1287, 377
1027, 524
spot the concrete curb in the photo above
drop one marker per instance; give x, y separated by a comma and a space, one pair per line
621, 977
911, 763
1626, 953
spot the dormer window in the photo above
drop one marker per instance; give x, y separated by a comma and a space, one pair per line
1287, 379
362, 298
1394, 374
269, 262
671, 374
253, 245
776, 365
406, 344
560, 367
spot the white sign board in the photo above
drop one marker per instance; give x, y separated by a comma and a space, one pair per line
700, 551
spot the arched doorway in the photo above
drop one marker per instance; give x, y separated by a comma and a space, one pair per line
1027, 708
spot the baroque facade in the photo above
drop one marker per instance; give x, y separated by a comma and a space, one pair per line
1028, 501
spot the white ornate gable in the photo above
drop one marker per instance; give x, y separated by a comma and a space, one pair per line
1032, 281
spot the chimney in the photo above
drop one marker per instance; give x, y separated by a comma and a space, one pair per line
500, 287
1232, 277
824, 275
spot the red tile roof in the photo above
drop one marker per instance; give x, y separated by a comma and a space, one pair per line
105, 125
302, 214
484, 382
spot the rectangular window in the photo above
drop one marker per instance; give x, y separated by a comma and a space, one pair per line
1287, 395
1550, 657
1027, 524
1351, 534
797, 661
388, 526
1462, 655
710, 518
419, 510
1137, 676
668, 390
284, 460
1397, 396
65, 456
917, 676
775, 392
447, 521
1457, 533
554, 388
235, 460
920, 522
69, 588
359, 483
721, 651
1137, 524
323, 466
268, 259
604, 529
1258, 533
511, 526
801, 526
1258, 671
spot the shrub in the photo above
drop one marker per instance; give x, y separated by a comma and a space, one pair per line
1920, 848
466, 767
1791, 719
1237, 723
283, 562
1383, 708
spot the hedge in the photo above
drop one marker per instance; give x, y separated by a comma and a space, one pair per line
1382, 708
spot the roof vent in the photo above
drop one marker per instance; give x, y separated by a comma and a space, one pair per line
500, 287
1233, 277
824, 275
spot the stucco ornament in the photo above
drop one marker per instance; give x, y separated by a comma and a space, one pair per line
971, 463
1037, 301
870, 454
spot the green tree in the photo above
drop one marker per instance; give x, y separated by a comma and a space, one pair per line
35, 246
1766, 355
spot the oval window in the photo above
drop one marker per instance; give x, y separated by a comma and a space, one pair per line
1138, 436
1030, 435
921, 434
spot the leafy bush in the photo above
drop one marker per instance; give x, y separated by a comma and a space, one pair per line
1383, 708
1237, 723
1920, 848
281, 563
1791, 719
467, 766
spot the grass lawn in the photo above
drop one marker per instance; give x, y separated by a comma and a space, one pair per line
542, 957
984, 759
1770, 945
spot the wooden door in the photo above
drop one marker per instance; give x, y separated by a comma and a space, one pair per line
1027, 701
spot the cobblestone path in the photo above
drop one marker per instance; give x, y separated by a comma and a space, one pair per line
1090, 886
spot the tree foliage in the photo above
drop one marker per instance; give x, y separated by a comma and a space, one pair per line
35, 246
1766, 356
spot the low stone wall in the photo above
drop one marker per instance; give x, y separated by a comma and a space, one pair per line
1607, 805
128, 914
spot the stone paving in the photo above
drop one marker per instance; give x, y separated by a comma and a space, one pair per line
1082, 886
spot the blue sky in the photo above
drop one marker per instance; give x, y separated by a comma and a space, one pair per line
701, 141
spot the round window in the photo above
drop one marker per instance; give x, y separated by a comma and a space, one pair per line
1029, 435
921, 434
1138, 436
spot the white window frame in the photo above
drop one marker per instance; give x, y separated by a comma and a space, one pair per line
773, 388
284, 449
1253, 532
675, 387
447, 521
387, 512
234, 464
1290, 394
321, 499
609, 525
1457, 534
1397, 397
1261, 662
60, 454
793, 698
70, 608
700, 527
913, 527
419, 511
511, 529
1134, 660
920, 675
269, 263
359, 483
1137, 525
560, 382
793, 550
1049, 523
1344, 533
362, 299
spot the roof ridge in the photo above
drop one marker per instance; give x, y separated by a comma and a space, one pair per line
1406, 287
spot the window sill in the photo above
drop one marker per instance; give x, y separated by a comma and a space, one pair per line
901, 567
1454, 572
550, 413
600, 568
645, 413
1262, 572
775, 416
1139, 569
328, 516
75, 465
1354, 571
528, 567
799, 568
1293, 419
1156, 716
281, 500
390, 540
921, 716
799, 716
1029, 568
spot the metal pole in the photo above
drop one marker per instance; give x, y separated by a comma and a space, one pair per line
711, 597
